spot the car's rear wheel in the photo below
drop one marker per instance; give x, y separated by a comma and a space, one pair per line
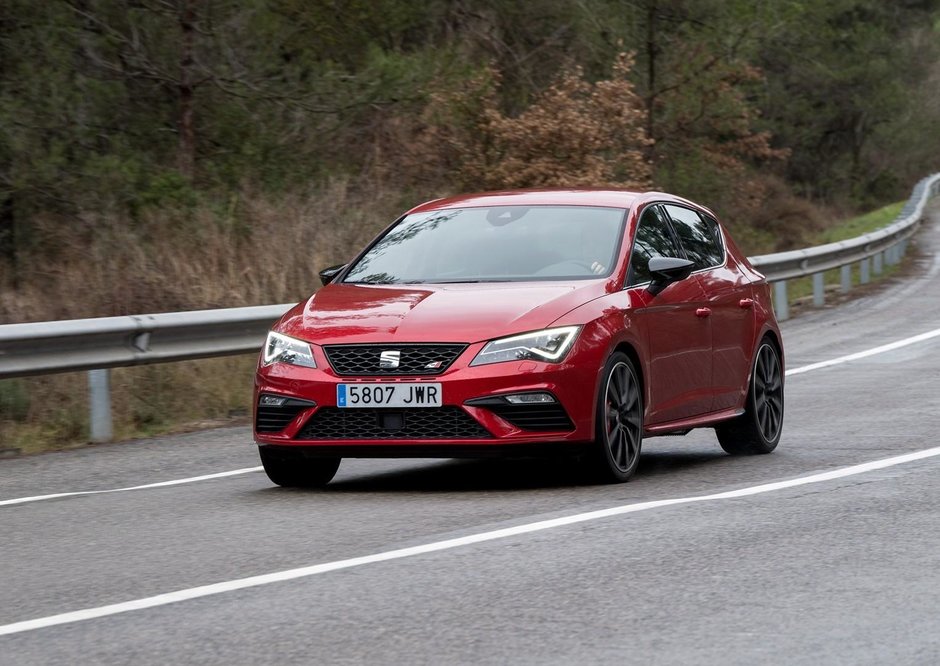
619, 418
293, 471
758, 429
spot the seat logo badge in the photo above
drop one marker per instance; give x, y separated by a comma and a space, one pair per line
389, 360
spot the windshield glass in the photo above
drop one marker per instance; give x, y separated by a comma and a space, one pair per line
500, 243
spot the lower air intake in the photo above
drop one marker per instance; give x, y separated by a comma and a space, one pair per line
438, 423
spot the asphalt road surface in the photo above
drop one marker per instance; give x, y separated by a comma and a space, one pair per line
702, 558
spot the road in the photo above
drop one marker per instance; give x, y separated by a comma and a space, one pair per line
515, 561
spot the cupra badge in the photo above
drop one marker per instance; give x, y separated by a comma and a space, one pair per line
389, 359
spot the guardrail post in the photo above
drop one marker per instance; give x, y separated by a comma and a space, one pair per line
877, 263
781, 305
845, 273
819, 289
99, 399
864, 270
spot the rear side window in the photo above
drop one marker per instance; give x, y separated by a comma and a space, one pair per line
699, 237
653, 239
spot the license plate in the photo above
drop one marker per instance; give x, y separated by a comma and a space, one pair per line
388, 395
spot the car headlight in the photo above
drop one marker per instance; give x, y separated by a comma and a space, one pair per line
549, 346
283, 349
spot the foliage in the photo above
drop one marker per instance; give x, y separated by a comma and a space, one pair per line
117, 113
574, 134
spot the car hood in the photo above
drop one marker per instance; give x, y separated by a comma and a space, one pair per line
433, 313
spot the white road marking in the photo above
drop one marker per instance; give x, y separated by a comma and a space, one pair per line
795, 371
161, 484
891, 346
437, 546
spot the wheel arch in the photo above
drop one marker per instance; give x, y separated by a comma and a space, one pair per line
630, 351
774, 338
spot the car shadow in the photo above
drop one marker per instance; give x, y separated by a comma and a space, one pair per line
457, 475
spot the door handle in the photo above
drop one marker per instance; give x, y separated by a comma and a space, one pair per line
746, 303
703, 312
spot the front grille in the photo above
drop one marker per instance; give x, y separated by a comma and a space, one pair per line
533, 417
274, 418
415, 359
429, 423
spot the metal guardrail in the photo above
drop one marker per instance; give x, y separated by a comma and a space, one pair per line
871, 251
110, 342
99, 344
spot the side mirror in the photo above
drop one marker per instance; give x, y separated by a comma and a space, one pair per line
327, 274
666, 270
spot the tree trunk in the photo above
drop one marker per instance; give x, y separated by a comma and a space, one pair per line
8, 238
187, 130
651, 53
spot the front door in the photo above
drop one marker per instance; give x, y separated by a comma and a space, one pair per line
678, 336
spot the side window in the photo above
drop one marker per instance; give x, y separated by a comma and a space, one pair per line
699, 237
653, 239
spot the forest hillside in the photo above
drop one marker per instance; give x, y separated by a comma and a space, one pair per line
177, 154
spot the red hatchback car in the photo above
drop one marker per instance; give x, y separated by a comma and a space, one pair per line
516, 323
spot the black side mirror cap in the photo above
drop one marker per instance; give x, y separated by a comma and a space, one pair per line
328, 274
666, 270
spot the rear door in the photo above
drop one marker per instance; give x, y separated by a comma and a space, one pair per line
679, 341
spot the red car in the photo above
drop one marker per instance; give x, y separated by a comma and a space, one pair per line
520, 323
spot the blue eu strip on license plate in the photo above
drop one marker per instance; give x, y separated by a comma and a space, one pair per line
389, 394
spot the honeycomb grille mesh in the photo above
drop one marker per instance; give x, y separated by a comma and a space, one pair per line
415, 359
436, 423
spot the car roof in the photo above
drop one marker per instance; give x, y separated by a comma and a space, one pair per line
541, 197
556, 197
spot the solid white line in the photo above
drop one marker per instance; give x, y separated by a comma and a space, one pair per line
160, 484
436, 546
891, 346
795, 371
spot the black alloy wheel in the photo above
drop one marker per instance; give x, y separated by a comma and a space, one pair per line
619, 430
293, 471
758, 429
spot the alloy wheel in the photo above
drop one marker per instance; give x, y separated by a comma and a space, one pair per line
624, 420
768, 393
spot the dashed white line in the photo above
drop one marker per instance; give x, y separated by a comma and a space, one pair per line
891, 346
437, 546
160, 484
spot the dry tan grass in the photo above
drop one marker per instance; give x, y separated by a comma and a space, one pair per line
258, 250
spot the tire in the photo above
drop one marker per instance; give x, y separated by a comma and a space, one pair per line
618, 435
758, 429
294, 471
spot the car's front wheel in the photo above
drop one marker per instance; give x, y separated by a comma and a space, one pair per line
619, 418
758, 429
293, 471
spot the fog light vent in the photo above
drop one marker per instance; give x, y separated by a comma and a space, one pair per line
275, 412
536, 410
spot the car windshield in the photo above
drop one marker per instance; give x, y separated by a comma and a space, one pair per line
495, 244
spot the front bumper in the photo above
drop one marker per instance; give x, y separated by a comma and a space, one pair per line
469, 423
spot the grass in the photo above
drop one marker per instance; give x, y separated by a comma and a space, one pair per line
51, 412
262, 250
802, 288
863, 224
